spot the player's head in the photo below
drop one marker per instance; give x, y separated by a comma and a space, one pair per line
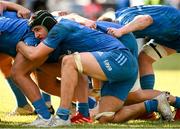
41, 23
42, 18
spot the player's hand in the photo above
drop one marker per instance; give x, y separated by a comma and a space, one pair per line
62, 13
24, 13
59, 13
91, 24
114, 32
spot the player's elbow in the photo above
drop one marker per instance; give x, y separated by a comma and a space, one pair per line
148, 19
144, 20
33, 56
30, 55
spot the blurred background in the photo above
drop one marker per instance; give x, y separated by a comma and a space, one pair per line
89, 8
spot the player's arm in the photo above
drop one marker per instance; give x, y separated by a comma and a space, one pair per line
75, 17
70, 16
56, 35
34, 53
140, 22
21, 11
82, 20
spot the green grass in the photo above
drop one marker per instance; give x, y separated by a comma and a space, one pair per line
168, 63
167, 78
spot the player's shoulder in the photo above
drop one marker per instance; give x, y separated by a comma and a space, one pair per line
65, 24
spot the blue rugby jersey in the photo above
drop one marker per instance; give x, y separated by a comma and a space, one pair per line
165, 29
13, 30
128, 40
71, 37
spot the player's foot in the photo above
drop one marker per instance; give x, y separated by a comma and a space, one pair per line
26, 110
40, 122
164, 107
79, 118
177, 115
57, 121
151, 116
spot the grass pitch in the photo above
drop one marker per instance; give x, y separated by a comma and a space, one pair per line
167, 78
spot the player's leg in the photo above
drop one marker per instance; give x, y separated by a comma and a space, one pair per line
46, 76
69, 83
38, 75
114, 93
47, 99
87, 64
21, 74
23, 107
81, 93
133, 111
140, 96
151, 52
137, 94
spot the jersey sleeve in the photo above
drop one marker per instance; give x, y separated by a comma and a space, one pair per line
3, 24
30, 39
56, 35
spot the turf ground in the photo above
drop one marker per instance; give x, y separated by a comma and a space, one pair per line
167, 73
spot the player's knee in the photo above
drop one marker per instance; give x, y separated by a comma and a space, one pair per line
73, 62
15, 73
68, 61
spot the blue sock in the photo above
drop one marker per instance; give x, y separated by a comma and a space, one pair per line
41, 108
83, 108
177, 103
147, 81
92, 102
20, 98
63, 113
151, 106
46, 97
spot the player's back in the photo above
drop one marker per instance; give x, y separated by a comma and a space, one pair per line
12, 31
165, 26
75, 37
128, 40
